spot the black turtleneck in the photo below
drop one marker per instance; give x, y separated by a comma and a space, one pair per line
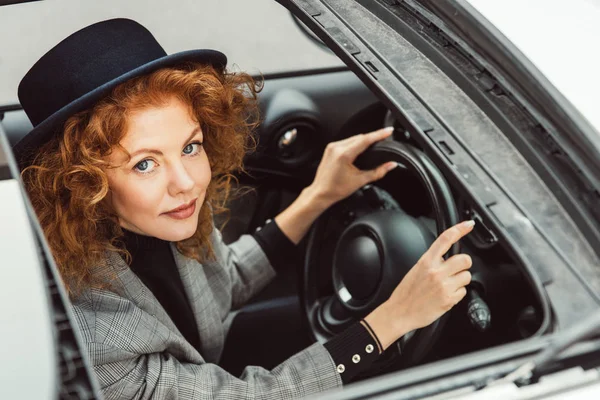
154, 264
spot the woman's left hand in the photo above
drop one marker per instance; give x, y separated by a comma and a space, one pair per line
337, 177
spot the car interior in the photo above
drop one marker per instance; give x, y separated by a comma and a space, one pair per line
361, 248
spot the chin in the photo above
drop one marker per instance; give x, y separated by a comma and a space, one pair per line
179, 233
174, 231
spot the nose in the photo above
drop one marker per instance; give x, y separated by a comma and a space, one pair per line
180, 179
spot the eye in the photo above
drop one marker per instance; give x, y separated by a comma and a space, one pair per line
144, 166
192, 149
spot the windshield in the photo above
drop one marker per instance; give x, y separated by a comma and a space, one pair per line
563, 44
258, 36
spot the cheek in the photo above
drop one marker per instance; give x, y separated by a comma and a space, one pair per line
135, 198
201, 172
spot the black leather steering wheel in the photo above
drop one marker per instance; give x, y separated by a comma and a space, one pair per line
374, 253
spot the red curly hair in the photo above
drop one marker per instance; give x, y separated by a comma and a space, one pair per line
67, 181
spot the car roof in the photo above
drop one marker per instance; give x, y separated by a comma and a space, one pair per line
560, 39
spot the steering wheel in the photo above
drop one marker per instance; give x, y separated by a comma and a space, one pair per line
374, 252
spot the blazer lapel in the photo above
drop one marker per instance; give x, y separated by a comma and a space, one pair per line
132, 288
206, 312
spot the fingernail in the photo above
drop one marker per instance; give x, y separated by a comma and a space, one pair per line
468, 224
388, 129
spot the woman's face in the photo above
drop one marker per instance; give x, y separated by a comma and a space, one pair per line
159, 192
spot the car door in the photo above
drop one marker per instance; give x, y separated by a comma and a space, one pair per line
496, 129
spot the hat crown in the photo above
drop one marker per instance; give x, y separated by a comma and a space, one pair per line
83, 62
84, 68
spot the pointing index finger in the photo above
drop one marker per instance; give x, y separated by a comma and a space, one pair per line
450, 236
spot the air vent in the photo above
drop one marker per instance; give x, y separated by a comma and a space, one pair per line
294, 143
291, 128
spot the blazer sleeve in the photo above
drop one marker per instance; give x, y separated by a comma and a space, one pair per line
160, 376
245, 264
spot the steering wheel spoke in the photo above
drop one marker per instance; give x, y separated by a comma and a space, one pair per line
329, 317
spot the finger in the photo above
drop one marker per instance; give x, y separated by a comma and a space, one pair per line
450, 236
348, 141
378, 173
355, 147
457, 263
339, 149
461, 279
459, 294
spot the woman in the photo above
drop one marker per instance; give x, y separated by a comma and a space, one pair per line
130, 158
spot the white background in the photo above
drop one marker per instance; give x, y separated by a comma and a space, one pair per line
256, 35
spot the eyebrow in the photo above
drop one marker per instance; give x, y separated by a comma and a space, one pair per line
158, 152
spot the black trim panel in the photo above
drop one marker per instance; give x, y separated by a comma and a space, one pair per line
306, 72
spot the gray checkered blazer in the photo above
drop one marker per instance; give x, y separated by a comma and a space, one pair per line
138, 353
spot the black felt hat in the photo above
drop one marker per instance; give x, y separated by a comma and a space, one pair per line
84, 68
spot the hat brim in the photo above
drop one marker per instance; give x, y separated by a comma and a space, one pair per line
25, 149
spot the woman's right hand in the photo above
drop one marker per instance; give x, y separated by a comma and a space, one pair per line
431, 288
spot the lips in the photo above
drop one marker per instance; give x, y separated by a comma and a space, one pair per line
182, 212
